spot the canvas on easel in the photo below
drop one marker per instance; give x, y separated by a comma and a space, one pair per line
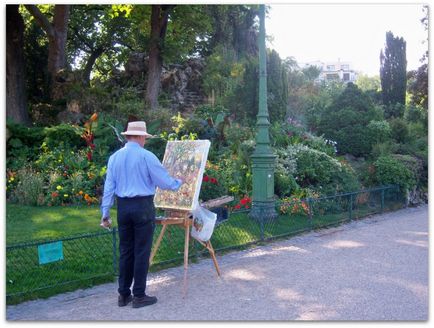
186, 159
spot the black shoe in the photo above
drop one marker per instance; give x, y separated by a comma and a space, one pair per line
143, 301
124, 300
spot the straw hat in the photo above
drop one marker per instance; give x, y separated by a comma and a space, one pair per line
137, 128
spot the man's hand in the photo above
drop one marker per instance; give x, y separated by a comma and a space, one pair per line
106, 223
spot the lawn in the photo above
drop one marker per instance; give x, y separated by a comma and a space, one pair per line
28, 223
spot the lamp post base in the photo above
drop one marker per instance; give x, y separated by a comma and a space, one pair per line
263, 211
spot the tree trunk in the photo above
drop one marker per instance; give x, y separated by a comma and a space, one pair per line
16, 99
159, 18
57, 33
57, 46
89, 64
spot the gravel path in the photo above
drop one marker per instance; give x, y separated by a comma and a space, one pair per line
374, 269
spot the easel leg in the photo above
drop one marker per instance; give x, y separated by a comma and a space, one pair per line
186, 244
157, 244
212, 253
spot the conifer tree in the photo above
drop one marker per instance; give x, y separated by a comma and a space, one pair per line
393, 73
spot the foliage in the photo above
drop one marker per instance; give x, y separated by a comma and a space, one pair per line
244, 203
378, 131
318, 171
346, 119
277, 85
368, 83
30, 188
64, 134
294, 206
418, 86
388, 170
399, 130
393, 72
213, 184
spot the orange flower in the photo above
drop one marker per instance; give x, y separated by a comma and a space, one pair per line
94, 117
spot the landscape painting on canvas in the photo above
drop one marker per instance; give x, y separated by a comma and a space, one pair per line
184, 159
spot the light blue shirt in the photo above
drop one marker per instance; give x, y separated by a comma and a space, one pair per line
134, 171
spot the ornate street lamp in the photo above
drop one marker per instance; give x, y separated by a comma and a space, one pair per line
263, 159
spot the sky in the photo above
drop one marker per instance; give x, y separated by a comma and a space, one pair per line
354, 33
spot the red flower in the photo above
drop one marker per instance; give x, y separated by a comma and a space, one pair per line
54, 194
237, 207
214, 180
245, 200
92, 146
206, 178
89, 156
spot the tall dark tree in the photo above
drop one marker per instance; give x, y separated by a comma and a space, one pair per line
277, 82
57, 32
16, 100
393, 73
159, 19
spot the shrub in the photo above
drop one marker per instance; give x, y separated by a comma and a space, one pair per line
213, 184
284, 184
378, 131
320, 172
63, 134
399, 129
30, 187
346, 119
388, 170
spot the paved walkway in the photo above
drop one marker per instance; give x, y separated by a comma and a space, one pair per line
374, 269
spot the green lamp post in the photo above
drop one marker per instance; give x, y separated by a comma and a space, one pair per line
263, 159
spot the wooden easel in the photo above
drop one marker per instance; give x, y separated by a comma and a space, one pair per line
181, 219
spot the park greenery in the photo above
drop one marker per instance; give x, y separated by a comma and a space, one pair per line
191, 72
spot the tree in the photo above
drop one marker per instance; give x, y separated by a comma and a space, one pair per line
16, 99
56, 32
159, 19
277, 85
346, 120
96, 30
418, 79
393, 72
234, 26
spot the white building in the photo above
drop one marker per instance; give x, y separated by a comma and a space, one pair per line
334, 71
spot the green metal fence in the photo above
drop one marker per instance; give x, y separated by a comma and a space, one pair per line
90, 259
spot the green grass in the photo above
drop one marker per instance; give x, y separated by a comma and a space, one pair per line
27, 223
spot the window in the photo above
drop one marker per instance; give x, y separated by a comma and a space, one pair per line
346, 76
330, 67
331, 77
345, 67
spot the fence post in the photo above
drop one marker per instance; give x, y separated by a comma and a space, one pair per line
114, 251
382, 200
351, 207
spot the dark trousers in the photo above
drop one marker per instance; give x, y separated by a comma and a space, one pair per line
136, 225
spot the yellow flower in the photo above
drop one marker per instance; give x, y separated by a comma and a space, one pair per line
59, 188
12, 179
65, 195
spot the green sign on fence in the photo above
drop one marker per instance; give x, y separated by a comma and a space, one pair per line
51, 252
